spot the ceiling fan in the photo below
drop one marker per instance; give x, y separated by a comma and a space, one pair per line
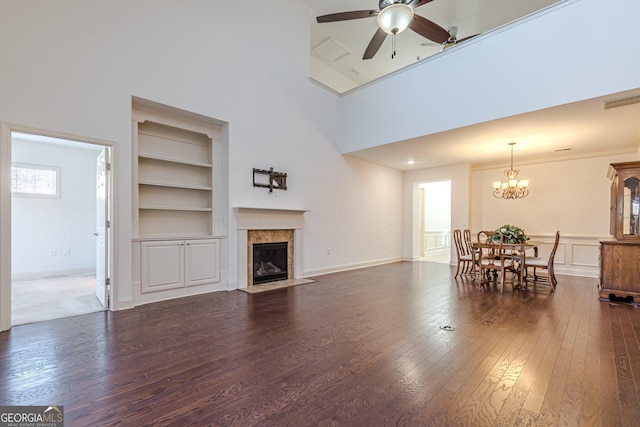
451, 41
393, 16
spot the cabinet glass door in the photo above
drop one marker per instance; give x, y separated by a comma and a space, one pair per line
631, 207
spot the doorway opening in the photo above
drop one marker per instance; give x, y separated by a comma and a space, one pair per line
60, 227
435, 221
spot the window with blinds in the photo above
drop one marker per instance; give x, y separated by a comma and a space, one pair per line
35, 180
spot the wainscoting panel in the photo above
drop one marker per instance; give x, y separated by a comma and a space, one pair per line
585, 254
576, 255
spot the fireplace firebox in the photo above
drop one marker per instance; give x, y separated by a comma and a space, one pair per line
270, 262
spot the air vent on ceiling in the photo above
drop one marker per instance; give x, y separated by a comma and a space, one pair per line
331, 49
622, 102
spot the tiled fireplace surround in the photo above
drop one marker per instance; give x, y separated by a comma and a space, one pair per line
260, 225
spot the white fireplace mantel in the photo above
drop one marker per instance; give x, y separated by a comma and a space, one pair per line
269, 219
250, 218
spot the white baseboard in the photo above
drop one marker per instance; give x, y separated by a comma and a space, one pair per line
170, 294
123, 304
347, 267
577, 271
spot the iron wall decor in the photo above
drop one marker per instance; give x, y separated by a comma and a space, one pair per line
277, 180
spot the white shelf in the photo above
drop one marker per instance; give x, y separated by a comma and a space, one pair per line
173, 236
182, 175
168, 143
173, 160
169, 236
175, 185
175, 208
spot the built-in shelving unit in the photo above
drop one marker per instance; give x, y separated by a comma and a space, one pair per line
179, 202
175, 182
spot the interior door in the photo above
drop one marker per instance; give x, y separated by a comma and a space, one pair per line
102, 227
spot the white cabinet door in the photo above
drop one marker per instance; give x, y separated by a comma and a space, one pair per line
201, 262
162, 265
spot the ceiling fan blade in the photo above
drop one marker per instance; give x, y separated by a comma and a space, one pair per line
418, 3
374, 44
453, 31
458, 41
466, 38
429, 29
345, 16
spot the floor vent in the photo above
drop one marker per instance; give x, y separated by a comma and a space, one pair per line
622, 102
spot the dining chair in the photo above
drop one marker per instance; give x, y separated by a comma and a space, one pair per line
546, 263
465, 259
485, 236
493, 257
466, 235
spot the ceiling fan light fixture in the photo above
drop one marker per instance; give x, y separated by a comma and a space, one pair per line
395, 18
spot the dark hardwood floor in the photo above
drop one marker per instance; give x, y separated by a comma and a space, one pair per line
358, 348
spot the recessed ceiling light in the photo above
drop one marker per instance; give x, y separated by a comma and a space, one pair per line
410, 162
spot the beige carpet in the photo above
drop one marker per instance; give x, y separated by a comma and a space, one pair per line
275, 285
49, 298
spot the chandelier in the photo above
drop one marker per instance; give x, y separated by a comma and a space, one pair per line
511, 188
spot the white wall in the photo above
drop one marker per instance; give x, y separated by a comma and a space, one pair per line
362, 222
41, 224
76, 65
578, 50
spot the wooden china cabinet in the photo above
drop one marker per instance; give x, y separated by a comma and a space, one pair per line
620, 256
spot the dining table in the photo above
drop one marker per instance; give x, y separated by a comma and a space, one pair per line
520, 248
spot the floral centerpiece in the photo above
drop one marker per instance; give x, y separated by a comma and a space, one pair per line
511, 233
